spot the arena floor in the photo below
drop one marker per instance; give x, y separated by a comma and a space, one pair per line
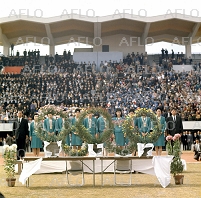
143, 185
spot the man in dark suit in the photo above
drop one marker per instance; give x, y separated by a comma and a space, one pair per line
20, 132
174, 123
197, 150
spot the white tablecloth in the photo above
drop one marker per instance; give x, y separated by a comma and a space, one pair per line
158, 166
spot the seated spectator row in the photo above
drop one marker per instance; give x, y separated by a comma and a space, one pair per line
120, 88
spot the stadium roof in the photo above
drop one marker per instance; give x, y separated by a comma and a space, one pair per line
172, 28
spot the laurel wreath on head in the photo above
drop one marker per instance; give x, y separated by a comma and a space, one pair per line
83, 132
132, 132
43, 134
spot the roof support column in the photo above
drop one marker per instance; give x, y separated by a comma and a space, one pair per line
97, 41
188, 50
143, 39
6, 44
191, 36
51, 40
52, 50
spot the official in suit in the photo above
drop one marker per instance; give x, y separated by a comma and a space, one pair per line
189, 140
184, 140
49, 124
161, 140
20, 133
174, 123
91, 124
76, 141
197, 150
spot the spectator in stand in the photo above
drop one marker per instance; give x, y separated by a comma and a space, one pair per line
172, 54
32, 108
171, 89
38, 54
17, 54
25, 55
47, 60
65, 55
162, 51
51, 59
166, 53
69, 55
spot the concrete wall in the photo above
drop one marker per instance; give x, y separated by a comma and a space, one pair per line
123, 43
83, 50
181, 68
97, 57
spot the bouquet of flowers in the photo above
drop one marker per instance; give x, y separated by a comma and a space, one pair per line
74, 152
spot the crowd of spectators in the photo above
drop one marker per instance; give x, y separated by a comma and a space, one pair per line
116, 85
167, 60
124, 84
111, 85
178, 59
33, 58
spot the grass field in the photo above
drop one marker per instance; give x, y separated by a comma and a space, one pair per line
143, 186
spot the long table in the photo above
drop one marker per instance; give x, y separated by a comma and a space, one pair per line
66, 159
158, 166
114, 159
